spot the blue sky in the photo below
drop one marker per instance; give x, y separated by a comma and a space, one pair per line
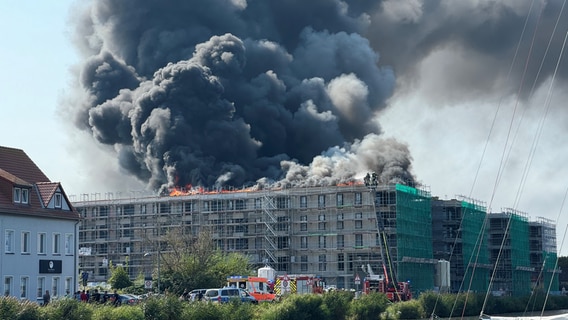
35, 57
446, 136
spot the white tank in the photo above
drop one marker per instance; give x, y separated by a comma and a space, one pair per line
267, 272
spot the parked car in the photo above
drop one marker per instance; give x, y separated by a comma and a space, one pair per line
194, 294
128, 299
224, 295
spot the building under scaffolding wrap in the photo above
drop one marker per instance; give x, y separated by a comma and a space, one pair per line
543, 256
456, 226
509, 252
334, 233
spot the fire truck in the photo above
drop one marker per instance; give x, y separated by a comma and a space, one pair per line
298, 283
258, 287
395, 291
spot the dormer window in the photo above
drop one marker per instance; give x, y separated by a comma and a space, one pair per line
57, 200
21, 195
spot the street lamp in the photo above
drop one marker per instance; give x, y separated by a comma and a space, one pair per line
147, 254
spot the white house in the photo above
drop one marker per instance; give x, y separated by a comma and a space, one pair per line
39, 227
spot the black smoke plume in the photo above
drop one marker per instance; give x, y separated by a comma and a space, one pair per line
233, 93
237, 92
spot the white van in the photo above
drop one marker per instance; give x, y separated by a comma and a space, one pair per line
224, 295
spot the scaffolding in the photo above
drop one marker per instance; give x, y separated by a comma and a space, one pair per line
509, 249
414, 255
474, 255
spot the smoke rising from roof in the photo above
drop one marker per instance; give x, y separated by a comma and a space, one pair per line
236, 92
202, 94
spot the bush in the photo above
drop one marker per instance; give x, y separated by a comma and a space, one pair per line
411, 309
68, 309
432, 303
337, 302
368, 306
202, 310
298, 307
12, 308
9, 307
168, 307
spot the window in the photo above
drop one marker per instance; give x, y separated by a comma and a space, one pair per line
24, 287
359, 240
25, 242
303, 225
40, 286
25, 196
57, 200
69, 244
68, 285
341, 262
340, 241
322, 262
321, 225
340, 199
358, 224
41, 240
9, 241
322, 242
358, 198
8, 286
304, 242
359, 215
303, 202
304, 263
340, 216
56, 243
321, 201
17, 195
55, 287
321, 217
339, 225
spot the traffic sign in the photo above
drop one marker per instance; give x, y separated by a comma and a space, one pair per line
357, 279
148, 284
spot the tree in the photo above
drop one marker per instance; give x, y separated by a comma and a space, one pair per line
190, 262
119, 278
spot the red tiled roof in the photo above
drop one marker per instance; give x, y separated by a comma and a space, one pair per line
17, 162
46, 191
18, 170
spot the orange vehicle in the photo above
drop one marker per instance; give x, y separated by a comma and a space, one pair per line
258, 287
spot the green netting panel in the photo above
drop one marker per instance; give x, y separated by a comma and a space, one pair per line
549, 273
474, 248
520, 255
414, 237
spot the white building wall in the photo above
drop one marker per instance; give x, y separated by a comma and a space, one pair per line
18, 265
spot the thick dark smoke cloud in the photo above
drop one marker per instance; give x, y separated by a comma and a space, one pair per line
236, 92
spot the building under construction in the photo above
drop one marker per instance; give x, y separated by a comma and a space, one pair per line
330, 232
457, 227
337, 233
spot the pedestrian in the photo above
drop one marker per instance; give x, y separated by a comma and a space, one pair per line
104, 297
46, 298
84, 297
78, 295
96, 296
116, 300
183, 296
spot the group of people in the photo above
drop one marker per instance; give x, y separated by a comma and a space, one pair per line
97, 297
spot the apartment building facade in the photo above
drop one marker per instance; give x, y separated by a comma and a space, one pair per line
330, 232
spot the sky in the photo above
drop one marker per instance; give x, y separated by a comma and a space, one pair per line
462, 98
